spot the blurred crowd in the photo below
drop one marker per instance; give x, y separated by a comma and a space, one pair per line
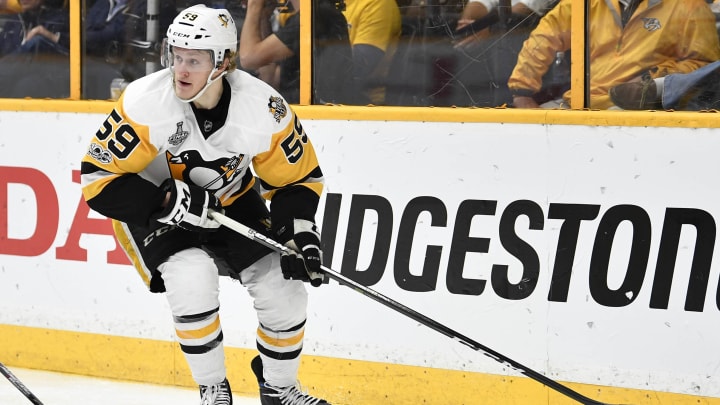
643, 54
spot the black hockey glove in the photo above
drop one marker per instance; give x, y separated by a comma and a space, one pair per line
189, 206
302, 260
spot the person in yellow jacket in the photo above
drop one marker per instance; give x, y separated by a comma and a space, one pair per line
628, 39
374, 27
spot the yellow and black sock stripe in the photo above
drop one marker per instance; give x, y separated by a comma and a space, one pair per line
199, 333
281, 345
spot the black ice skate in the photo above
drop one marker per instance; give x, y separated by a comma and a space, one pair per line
218, 394
271, 395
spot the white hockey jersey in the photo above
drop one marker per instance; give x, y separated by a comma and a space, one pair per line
151, 135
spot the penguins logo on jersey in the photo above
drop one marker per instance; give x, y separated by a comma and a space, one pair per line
277, 108
214, 175
651, 24
179, 136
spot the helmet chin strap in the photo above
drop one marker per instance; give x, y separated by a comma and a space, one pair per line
202, 91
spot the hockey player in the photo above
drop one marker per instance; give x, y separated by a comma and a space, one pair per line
178, 144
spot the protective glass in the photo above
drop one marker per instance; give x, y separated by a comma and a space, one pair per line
192, 60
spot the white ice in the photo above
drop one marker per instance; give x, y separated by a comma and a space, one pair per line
68, 389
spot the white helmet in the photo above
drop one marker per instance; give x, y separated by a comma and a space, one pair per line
202, 27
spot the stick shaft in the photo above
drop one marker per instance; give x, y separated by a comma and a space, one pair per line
431, 323
19, 385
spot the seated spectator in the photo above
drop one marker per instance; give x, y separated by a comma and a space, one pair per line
487, 41
440, 65
37, 64
374, 27
105, 27
261, 49
478, 15
34, 48
694, 91
42, 27
104, 42
470, 66
643, 37
332, 55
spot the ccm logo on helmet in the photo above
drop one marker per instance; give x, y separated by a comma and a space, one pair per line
180, 34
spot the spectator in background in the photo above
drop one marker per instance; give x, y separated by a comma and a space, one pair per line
374, 27
105, 27
104, 42
261, 49
34, 47
694, 91
480, 14
41, 27
642, 37
42, 30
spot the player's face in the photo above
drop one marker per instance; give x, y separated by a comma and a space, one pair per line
191, 68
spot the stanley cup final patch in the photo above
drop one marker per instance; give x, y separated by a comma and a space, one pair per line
179, 136
277, 108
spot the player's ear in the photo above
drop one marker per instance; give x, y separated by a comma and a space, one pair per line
225, 65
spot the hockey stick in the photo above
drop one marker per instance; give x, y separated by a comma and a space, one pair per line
19, 385
388, 302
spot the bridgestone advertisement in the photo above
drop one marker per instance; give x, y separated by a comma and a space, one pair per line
584, 252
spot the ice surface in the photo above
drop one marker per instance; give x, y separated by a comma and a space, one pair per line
68, 389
